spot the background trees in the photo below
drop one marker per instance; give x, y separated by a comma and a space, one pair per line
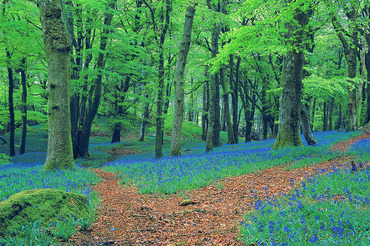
123, 55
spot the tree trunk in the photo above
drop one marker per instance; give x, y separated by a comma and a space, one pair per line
116, 136
11, 108
57, 47
95, 100
214, 107
205, 106
350, 52
144, 120
265, 113
325, 118
310, 139
339, 124
191, 104
22, 148
250, 118
290, 113
330, 114
159, 119
230, 132
313, 114
234, 94
179, 81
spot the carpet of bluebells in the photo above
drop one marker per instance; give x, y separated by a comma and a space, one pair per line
195, 168
330, 209
24, 172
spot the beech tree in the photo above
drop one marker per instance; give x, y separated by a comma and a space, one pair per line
290, 111
57, 47
179, 81
350, 46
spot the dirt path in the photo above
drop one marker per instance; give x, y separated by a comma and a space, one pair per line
129, 218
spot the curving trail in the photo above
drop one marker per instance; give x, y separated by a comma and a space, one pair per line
211, 218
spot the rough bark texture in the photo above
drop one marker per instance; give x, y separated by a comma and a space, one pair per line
57, 47
179, 82
290, 113
22, 147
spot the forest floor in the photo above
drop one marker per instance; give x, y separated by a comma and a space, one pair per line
206, 216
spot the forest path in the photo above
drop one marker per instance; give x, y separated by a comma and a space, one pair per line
211, 218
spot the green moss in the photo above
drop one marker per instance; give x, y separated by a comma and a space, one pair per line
49, 205
287, 140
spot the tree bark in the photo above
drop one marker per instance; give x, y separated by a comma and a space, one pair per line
330, 114
179, 81
22, 148
290, 113
230, 132
144, 120
214, 92
11, 108
313, 114
310, 139
325, 118
57, 47
205, 106
159, 119
234, 85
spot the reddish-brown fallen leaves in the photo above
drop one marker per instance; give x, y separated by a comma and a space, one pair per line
207, 216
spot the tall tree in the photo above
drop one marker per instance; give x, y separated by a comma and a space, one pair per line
57, 47
350, 46
160, 30
11, 106
179, 81
22, 147
290, 112
214, 125
97, 88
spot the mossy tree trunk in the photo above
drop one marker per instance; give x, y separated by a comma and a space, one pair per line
179, 81
57, 47
290, 112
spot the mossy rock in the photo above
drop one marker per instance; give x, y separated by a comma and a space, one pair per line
49, 205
